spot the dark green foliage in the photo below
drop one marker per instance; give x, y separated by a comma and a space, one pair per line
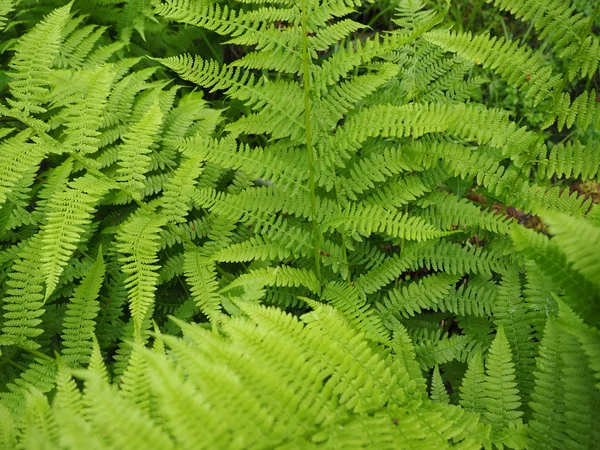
322, 208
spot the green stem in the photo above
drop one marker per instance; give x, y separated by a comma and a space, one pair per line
38, 354
309, 147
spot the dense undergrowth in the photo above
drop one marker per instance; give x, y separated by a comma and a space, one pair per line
297, 224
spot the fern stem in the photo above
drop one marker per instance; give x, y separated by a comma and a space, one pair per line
309, 147
37, 353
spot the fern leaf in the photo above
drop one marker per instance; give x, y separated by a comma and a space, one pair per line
411, 299
123, 424
68, 397
517, 64
382, 274
17, 159
278, 276
583, 111
96, 366
572, 160
30, 67
69, 212
510, 312
547, 424
200, 272
582, 254
368, 220
178, 190
353, 305
133, 16
472, 389
556, 21
79, 321
138, 242
446, 212
134, 382
6, 6
82, 117
24, 300
8, 430
430, 351
39, 422
40, 375
502, 401
580, 292
78, 45
439, 394
133, 153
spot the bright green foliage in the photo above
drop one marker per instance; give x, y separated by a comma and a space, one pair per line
275, 381
360, 251
31, 66
502, 400
438, 390
473, 388
79, 322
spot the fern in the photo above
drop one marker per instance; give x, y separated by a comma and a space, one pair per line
78, 326
31, 65
431, 279
502, 400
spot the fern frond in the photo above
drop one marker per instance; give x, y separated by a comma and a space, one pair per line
24, 300
510, 312
432, 350
83, 115
352, 54
474, 298
354, 306
133, 16
547, 423
572, 160
576, 371
39, 375
135, 383
583, 111
412, 298
176, 199
122, 97
282, 276
79, 322
250, 24
200, 272
8, 430
453, 259
6, 6
279, 102
342, 98
438, 394
17, 158
486, 126
447, 212
39, 422
121, 423
580, 292
368, 220
389, 269
517, 64
582, 255
133, 153
30, 67
69, 212
138, 242
472, 389
502, 401
78, 45
557, 22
